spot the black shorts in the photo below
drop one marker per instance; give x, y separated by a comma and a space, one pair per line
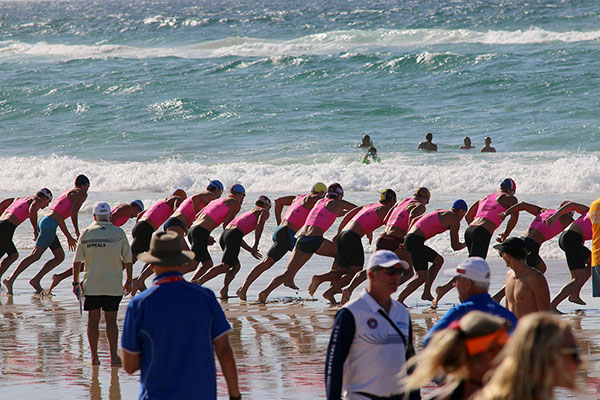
107, 303
142, 234
389, 242
174, 221
478, 240
7, 231
309, 244
421, 255
577, 254
231, 242
198, 237
283, 241
350, 250
533, 252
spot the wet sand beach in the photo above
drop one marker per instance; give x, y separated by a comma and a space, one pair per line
279, 346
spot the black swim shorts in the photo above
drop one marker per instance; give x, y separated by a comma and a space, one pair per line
421, 255
142, 234
174, 221
198, 237
309, 244
231, 242
350, 252
577, 254
107, 303
7, 231
283, 241
478, 240
533, 250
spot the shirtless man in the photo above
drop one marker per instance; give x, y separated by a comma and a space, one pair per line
467, 144
526, 288
357, 223
487, 146
426, 227
310, 239
217, 212
366, 142
401, 217
284, 238
118, 216
428, 145
14, 215
66, 206
232, 239
483, 219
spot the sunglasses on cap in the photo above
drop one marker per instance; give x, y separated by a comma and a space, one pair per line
391, 270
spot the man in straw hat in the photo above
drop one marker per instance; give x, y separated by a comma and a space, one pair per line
173, 330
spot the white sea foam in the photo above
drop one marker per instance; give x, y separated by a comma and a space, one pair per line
326, 43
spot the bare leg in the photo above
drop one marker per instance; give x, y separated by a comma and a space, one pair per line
257, 271
327, 249
357, 280
297, 261
340, 283
575, 296
59, 257
112, 335
58, 278
202, 269
213, 272
229, 275
317, 280
7, 262
578, 279
441, 291
93, 334
35, 255
432, 272
413, 285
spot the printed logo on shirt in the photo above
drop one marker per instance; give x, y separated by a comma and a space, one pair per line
372, 323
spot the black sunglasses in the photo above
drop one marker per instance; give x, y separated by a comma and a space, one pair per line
391, 271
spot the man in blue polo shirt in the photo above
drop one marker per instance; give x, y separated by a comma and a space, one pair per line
173, 330
472, 283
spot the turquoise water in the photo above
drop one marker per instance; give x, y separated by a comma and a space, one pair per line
261, 89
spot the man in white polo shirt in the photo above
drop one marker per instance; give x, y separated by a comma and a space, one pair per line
104, 248
371, 338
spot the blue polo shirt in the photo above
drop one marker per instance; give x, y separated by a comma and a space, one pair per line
173, 326
480, 302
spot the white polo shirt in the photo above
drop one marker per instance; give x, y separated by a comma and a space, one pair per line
377, 355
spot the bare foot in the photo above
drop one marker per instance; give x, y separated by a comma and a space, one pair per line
291, 285
36, 285
345, 296
116, 362
55, 281
555, 311
427, 297
8, 285
95, 360
314, 284
438, 295
577, 300
330, 297
223, 294
241, 294
262, 297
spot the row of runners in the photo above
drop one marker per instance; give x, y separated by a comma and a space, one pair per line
301, 229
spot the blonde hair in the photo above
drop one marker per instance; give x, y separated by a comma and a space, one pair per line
446, 355
529, 360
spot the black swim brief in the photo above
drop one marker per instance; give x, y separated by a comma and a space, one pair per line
309, 244
389, 242
577, 254
478, 240
173, 222
283, 241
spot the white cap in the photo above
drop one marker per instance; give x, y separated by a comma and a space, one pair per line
102, 209
473, 268
385, 259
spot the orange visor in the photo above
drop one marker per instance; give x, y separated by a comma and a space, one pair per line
480, 344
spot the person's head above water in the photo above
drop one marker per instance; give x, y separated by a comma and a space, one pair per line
429, 136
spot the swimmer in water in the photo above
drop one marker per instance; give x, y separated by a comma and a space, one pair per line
428, 144
487, 146
466, 144
366, 142
371, 155
66, 206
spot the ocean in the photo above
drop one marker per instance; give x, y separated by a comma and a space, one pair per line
148, 96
